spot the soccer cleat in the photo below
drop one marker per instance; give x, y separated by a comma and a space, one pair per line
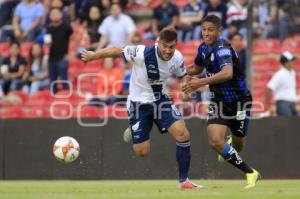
187, 184
228, 141
252, 178
127, 137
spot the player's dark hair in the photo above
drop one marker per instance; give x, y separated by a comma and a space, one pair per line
168, 34
212, 19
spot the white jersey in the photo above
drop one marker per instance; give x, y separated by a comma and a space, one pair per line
140, 89
283, 85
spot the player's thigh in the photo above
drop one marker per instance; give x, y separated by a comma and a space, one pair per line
179, 131
140, 122
216, 135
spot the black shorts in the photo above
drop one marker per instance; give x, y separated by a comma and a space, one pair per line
234, 115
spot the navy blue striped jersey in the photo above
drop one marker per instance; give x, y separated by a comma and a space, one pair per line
213, 60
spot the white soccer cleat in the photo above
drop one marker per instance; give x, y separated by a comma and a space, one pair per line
127, 136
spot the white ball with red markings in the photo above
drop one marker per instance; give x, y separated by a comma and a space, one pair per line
66, 149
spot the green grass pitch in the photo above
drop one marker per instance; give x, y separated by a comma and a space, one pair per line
149, 189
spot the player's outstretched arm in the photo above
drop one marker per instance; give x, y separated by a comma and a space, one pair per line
196, 83
194, 69
102, 53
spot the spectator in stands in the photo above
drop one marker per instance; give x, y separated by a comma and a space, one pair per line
237, 43
116, 29
58, 35
264, 14
218, 8
166, 14
110, 84
59, 5
288, 20
12, 69
68, 7
190, 18
27, 20
36, 76
283, 87
106, 4
237, 14
93, 22
6, 10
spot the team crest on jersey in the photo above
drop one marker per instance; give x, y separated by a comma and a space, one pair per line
212, 57
172, 68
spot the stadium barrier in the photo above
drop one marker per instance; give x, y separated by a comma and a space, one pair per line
26, 151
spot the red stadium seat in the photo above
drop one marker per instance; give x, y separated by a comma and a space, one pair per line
12, 112
265, 46
292, 45
4, 48
61, 110
68, 96
90, 111
180, 3
266, 64
25, 48
43, 97
38, 112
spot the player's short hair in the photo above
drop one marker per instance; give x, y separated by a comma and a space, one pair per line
168, 34
212, 19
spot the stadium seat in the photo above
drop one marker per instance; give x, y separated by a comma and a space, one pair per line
68, 96
4, 48
266, 64
43, 97
61, 111
292, 45
90, 112
38, 112
180, 3
12, 112
265, 46
25, 48
297, 64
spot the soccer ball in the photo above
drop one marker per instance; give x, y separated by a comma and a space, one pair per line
66, 149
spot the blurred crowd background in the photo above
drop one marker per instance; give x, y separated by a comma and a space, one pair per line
41, 41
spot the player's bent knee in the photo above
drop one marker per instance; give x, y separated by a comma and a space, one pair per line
216, 144
142, 152
182, 136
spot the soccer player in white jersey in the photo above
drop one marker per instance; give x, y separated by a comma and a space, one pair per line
148, 102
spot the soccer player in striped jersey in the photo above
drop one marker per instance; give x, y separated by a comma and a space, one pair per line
230, 99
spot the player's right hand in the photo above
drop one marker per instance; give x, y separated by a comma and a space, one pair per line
87, 55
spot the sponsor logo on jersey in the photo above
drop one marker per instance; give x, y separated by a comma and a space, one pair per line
223, 52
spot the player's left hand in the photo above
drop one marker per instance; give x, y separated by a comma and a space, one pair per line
193, 84
87, 55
